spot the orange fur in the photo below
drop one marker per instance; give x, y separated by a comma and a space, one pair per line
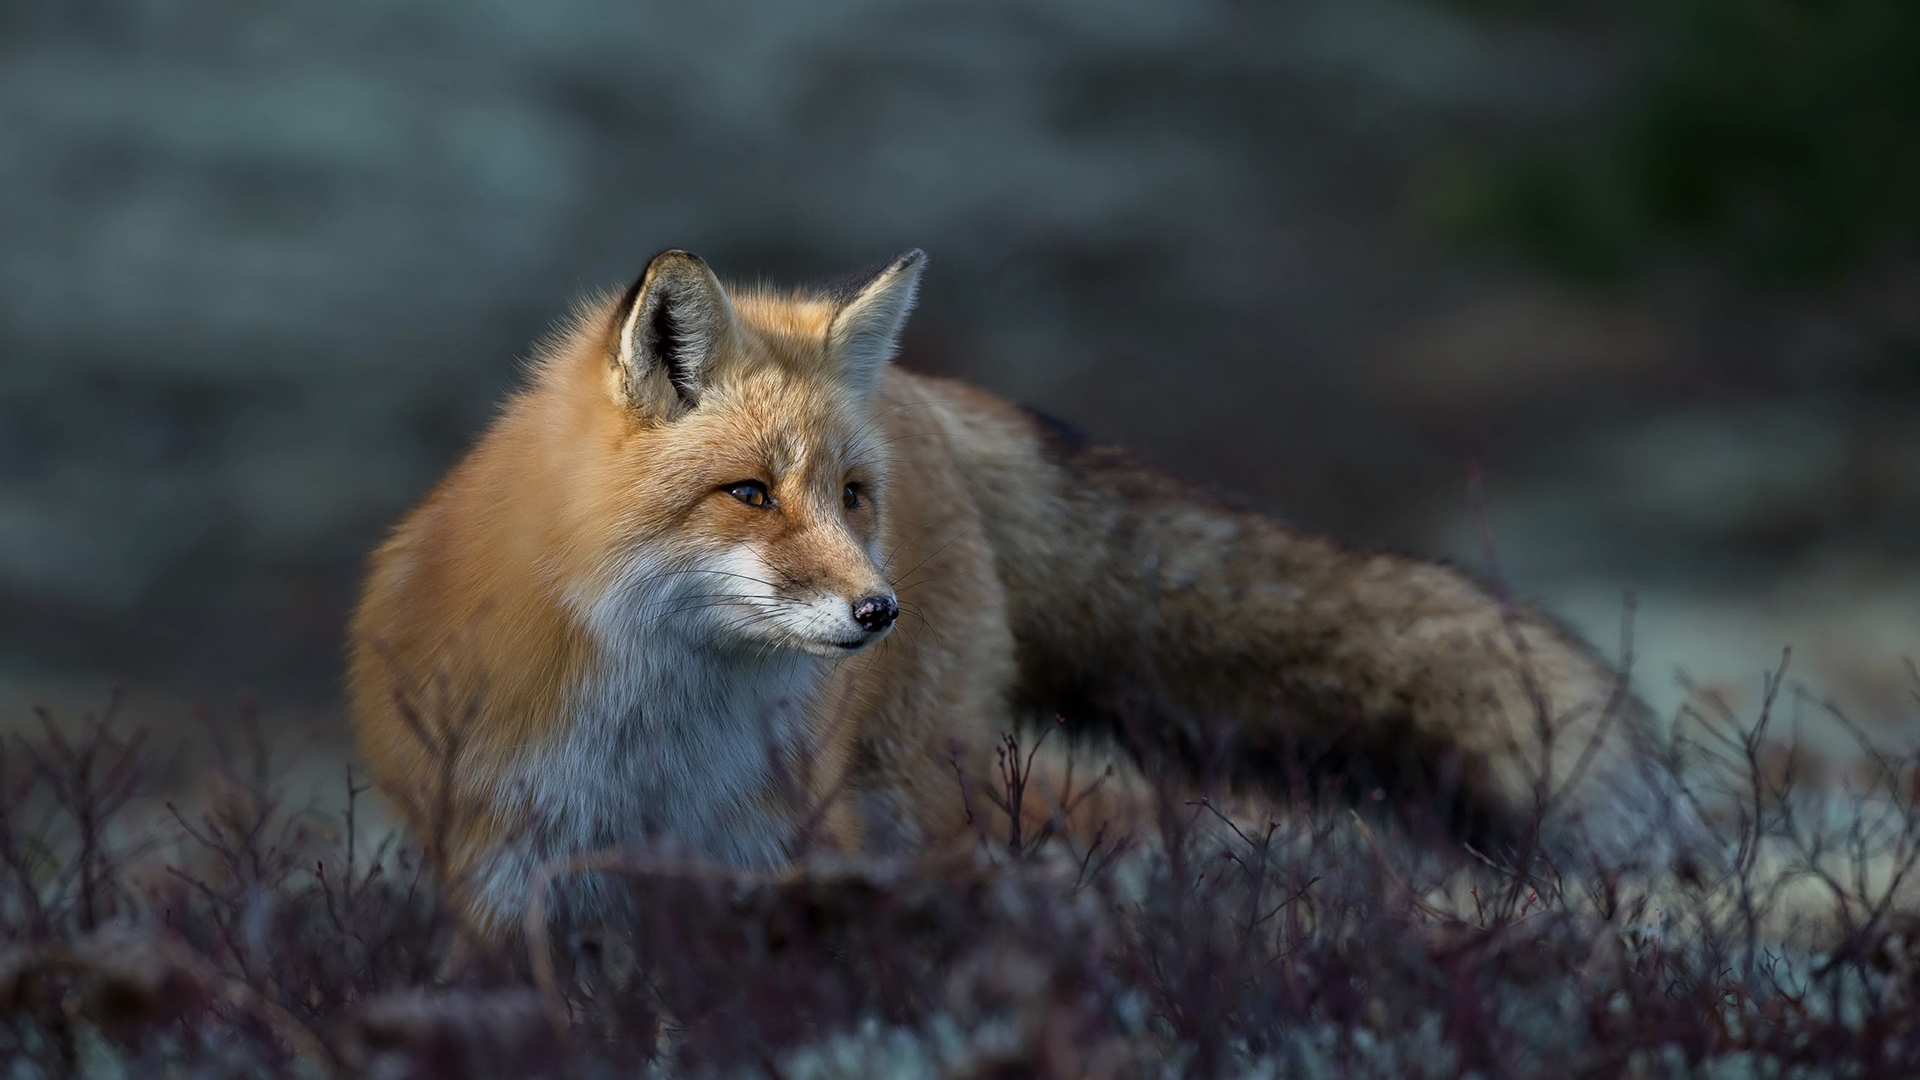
591, 634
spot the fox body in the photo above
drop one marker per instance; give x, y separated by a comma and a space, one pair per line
723, 578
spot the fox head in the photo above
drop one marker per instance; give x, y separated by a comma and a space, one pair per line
739, 483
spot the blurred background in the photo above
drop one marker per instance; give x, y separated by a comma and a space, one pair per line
1650, 267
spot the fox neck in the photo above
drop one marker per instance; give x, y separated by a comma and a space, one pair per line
670, 738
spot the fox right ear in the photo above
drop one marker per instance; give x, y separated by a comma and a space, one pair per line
673, 325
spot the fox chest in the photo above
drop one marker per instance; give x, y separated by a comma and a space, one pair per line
689, 753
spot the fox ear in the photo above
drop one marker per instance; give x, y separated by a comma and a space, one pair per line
865, 332
673, 325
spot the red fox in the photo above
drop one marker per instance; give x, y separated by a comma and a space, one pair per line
719, 542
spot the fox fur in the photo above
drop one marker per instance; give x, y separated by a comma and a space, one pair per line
632, 614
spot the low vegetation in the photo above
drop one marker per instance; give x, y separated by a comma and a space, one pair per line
243, 937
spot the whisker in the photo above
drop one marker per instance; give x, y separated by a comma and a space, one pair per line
707, 603
903, 542
902, 583
913, 610
705, 570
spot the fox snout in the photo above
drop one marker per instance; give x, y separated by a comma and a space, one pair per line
825, 598
832, 624
875, 613
872, 614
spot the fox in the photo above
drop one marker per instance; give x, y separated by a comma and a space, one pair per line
721, 576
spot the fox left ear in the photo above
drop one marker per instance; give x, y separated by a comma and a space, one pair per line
865, 332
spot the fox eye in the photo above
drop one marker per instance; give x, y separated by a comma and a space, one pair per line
751, 492
851, 496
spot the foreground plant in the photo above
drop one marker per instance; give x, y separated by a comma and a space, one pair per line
243, 937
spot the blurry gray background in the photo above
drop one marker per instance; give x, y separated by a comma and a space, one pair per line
265, 267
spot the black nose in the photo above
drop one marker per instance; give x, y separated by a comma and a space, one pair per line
875, 613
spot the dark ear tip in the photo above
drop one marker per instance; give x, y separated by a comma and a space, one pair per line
673, 259
908, 259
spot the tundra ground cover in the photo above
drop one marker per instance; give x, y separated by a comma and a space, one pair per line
243, 937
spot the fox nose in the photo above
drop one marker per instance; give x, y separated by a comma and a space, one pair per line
875, 613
